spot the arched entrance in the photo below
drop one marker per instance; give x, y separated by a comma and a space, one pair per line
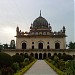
48, 47
23, 45
49, 55
40, 46
36, 56
44, 56
57, 45
40, 56
32, 47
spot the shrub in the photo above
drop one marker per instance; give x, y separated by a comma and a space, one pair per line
21, 72
26, 60
70, 67
56, 59
53, 62
55, 69
18, 58
1, 47
59, 55
7, 71
55, 54
21, 54
66, 57
26, 55
49, 60
52, 57
69, 57
61, 65
0, 72
15, 67
5, 60
17, 53
31, 59
22, 64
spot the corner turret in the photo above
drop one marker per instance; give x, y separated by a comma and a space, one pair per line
64, 29
17, 30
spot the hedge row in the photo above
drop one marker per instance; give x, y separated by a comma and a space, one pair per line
55, 69
21, 72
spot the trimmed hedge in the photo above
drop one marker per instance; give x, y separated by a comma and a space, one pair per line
55, 69
5, 60
21, 72
17, 58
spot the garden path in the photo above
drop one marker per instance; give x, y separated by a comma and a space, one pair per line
40, 68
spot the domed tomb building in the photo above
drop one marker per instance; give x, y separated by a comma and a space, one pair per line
40, 37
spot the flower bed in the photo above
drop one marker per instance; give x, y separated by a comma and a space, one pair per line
54, 68
21, 72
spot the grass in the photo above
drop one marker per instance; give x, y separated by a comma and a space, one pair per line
24, 70
59, 72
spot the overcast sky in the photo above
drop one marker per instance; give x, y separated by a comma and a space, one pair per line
22, 13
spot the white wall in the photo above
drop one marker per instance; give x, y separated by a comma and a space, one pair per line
36, 40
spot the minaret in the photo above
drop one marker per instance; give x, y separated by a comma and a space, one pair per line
17, 30
64, 29
40, 13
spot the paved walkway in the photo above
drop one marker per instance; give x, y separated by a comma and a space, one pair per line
40, 68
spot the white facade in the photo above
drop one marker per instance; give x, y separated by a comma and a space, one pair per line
38, 40
40, 36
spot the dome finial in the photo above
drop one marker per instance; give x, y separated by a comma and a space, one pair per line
40, 12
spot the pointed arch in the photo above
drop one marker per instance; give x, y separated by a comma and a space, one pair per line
48, 47
44, 56
24, 45
57, 45
40, 55
32, 47
40, 45
36, 55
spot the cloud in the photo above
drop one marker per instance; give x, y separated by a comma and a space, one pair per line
22, 13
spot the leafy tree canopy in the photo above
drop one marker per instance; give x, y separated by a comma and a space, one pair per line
71, 45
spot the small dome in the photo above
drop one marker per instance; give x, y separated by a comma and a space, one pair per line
40, 22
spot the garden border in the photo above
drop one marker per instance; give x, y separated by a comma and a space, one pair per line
25, 69
59, 72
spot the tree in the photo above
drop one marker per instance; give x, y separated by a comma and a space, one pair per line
5, 46
71, 45
7, 71
15, 67
17, 58
5, 60
70, 67
1, 47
